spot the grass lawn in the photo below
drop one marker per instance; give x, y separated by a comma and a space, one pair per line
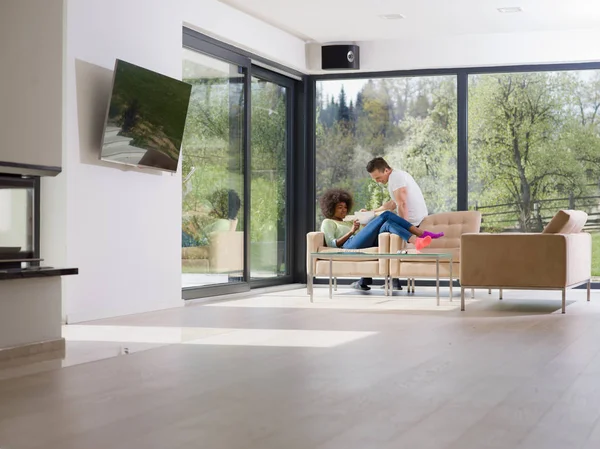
596, 254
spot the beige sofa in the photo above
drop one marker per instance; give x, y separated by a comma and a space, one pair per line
453, 225
224, 254
558, 258
315, 243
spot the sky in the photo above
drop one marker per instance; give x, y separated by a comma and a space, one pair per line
353, 86
333, 87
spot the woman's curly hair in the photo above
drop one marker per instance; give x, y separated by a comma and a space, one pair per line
331, 198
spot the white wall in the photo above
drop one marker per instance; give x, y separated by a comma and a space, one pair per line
124, 224
472, 51
30, 81
29, 311
234, 27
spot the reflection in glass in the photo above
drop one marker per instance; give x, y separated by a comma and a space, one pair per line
268, 181
146, 118
212, 173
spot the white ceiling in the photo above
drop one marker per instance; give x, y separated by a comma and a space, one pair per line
357, 20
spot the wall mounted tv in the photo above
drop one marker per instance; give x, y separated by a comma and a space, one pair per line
145, 118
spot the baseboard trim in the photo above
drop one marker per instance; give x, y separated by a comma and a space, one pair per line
32, 349
245, 294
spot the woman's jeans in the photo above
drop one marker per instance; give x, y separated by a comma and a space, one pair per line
368, 236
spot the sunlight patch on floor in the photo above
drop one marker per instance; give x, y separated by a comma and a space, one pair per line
283, 337
212, 336
347, 299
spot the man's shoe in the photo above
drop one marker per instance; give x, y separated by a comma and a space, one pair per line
355, 285
395, 285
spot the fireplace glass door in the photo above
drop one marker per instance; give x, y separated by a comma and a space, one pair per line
17, 221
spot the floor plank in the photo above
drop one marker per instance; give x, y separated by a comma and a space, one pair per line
275, 371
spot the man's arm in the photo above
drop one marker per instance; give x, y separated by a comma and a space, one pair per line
400, 196
390, 205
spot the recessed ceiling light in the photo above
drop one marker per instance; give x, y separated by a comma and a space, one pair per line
391, 16
510, 9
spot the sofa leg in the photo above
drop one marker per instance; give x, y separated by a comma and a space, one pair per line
589, 286
500, 295
462, 299
489, 291
564, 300
472, 293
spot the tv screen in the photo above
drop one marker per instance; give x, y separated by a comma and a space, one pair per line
145, 118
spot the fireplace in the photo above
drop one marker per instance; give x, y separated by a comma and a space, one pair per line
19, 221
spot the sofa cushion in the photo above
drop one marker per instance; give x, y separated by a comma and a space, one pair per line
453, 225
566, 222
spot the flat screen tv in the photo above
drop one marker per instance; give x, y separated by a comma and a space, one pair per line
145, 119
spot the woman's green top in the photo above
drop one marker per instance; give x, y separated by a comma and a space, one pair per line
334, 230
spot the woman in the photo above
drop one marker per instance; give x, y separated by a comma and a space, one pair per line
335, 204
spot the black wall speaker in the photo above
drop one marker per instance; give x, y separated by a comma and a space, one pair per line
335, 57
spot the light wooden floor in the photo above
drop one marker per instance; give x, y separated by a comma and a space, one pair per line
355, 372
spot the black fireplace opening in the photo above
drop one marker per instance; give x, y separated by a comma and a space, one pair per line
19, 221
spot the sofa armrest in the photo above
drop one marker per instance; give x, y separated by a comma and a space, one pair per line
396, 244
384, 247
523, 260
579, 257
314, 240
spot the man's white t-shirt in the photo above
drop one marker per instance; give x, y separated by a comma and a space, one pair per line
416, 207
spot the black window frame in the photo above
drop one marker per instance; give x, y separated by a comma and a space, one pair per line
462, 75
302, 174
290, 85
263, 68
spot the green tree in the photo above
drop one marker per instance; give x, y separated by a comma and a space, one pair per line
421, 142
343, 112
516, 123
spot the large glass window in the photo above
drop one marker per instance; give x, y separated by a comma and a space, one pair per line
534, 148
213, 172
269, 144
411, 122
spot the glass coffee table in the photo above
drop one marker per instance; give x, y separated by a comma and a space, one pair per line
347, 255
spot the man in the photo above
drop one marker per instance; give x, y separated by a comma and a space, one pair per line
406, 200
406, 196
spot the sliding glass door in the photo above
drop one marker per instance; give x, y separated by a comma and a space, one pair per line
213, 177
271, 142
236, 159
